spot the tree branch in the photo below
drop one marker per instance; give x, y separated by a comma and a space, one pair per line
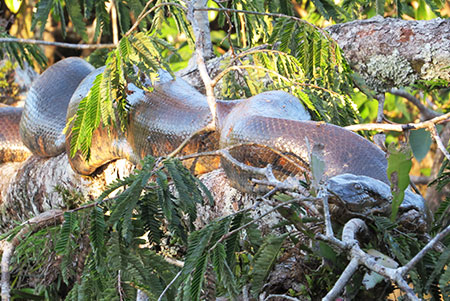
426, 112
399, 127
57, 44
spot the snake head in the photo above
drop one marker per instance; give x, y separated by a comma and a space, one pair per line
360, 194
365, 195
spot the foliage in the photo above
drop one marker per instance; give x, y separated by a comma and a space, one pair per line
118, 243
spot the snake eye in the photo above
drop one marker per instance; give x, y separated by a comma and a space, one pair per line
357, 186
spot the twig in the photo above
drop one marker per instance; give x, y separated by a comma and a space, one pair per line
350, 243
221, 9
119, 285
169, 285
426, 112
439, 143
380, 114
407, 267
351, 268
208, 128
323, 195
143, 15
399, 127
57, 44
284, 297
259, 218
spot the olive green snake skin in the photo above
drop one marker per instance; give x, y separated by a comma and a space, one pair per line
266, 128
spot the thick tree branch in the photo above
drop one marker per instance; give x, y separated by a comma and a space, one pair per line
391, 53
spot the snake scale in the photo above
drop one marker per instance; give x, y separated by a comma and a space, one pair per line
271, 127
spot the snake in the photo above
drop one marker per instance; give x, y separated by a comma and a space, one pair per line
269, 128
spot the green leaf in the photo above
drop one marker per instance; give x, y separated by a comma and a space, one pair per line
399, 165
66, 231
380, 7
97, 234
74, 10
41, 15
264, 259
420, 141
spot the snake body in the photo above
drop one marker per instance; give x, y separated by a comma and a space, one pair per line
160, 120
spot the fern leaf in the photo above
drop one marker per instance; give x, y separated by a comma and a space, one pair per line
66, 231
74, 10
97, 234
40, 17
264, 260
86, 120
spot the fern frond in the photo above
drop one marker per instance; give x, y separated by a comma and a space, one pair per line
74, 11
264, 260
40, 17
97, 235
66, 231
86, 120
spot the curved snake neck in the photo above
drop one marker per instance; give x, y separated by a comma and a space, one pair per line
160, 120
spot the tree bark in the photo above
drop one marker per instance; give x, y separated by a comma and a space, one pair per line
396, 53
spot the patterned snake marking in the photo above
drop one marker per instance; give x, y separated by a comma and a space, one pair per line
162, 119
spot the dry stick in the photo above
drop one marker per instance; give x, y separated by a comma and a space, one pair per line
398, 127
284, 297
440, 144
351, 268
380, 115
169, 285
57, 44
429, 124
407, 267
211, 99
426, 112
143, 15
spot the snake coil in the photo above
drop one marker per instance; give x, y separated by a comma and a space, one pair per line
162, 119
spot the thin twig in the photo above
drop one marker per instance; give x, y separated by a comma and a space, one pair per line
438, 140
208, 128
259, 218
221, 9
398, 127
426, 112
284, 297
407, 267
380, 114
143, 15
169, 285
57, 44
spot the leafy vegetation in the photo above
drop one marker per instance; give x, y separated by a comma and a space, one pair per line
120, 243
